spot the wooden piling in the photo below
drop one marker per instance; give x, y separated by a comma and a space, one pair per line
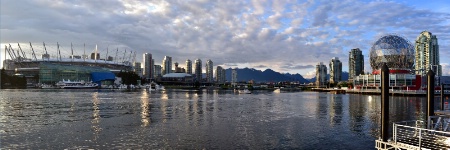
430, 93
384, 102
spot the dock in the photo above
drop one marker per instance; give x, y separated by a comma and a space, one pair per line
417, 134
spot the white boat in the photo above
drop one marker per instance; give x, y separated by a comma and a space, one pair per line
128, 87
245, 91
154, 87
67, 84
47, 86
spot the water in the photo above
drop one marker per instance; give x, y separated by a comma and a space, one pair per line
178, 119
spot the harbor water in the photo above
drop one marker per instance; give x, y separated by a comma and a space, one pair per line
183, 119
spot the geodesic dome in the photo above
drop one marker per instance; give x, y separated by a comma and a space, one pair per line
396, 51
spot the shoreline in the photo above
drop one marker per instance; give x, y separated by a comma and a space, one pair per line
378, 92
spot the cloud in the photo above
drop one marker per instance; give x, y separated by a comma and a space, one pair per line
292, 66
260, 66
445, 69
285, 35
310, 74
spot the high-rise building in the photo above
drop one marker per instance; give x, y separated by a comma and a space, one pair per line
167, 65
209, 71
153, 69
188, 66
178, 69
321, 74
234, 76
137, 69
427, 54
148, 66
355, 63
157, 71
335, 70
220, 75
198, 70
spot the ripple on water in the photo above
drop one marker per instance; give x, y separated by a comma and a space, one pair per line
92, 119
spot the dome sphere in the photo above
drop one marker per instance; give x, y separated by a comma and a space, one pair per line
396, 51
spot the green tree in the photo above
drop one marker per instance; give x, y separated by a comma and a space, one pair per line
3, 78
8, 81
129, 77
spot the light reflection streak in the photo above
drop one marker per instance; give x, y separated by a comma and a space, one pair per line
188, 106
145, 113
164, 98
96, 116
164, 95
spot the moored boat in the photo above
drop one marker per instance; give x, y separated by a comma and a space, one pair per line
67, 84
47, 86
154, 87
245, 91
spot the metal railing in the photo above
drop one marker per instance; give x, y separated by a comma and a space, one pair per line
414, 135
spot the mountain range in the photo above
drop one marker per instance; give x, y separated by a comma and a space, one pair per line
268, 75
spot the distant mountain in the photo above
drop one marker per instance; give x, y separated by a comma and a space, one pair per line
268, 75
344, 77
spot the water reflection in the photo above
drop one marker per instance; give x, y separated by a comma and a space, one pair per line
204, 119
336, 109
95, 116
322, 105
145, 109
357, 109
165, 107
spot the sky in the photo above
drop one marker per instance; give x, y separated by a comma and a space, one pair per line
287, 36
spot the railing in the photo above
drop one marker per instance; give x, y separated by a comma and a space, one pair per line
413, 135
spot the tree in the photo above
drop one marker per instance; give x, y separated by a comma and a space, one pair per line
3, 78
8, 81
129, 77
342, 84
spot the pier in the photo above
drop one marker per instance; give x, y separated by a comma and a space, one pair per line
414, 134
429, 133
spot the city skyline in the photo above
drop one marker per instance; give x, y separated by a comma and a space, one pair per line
286, 37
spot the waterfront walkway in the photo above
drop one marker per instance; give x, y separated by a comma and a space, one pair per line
378, 92
396, 92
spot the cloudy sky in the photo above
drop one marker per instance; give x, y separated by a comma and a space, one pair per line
284, 35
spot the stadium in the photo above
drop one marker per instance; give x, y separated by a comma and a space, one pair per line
50, 68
